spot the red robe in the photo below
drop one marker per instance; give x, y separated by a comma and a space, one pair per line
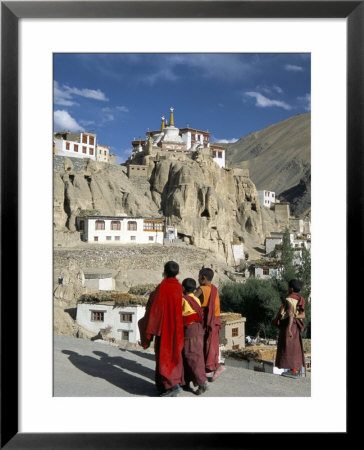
212, 326
163, 319
290, 353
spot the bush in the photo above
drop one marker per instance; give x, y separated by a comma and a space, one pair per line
257, 300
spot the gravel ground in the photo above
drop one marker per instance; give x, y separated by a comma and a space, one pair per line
84, 368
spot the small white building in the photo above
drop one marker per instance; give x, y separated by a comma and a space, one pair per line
192, 137
121, 230
171, 234
99, 281
264, 271
218, 154
274, 239
238, 252
103, 153
115, 321
266, 198
232, 334
76, 145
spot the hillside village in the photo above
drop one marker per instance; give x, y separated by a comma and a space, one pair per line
175, 195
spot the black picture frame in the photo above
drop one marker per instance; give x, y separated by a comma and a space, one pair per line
11, 12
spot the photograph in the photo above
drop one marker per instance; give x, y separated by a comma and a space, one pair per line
157, 161
182, 224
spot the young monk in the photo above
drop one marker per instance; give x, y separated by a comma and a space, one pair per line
163, 319
290, 353
210, 303
193, 356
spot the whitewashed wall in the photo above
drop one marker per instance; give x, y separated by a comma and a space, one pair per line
111, 319
125, 235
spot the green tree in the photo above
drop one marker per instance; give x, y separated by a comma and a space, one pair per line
304, 274
257, 300
286, 262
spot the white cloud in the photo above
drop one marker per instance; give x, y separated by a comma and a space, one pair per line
95, 94
265, 102
306, 100
122, 108
87, 122
293, 68
63, 95
225, 141
278, 89
63, 121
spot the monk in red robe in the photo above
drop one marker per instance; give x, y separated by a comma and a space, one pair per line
290, 353
210, 303
193, 355
163, 320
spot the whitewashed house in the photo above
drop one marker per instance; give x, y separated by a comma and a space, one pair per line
121, 229
274, 239
265, 269
99, 281
115, 321
218, 154
232, 334
75, 145
266, 198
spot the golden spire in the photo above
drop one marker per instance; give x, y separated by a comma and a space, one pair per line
162, 125
171, 118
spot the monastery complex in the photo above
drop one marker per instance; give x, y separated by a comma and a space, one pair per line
172, 142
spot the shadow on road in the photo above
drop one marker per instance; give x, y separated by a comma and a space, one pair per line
104, 368
145, 355
125, 363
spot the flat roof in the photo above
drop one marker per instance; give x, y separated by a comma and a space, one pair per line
120, 217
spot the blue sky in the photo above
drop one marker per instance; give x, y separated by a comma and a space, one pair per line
120, 96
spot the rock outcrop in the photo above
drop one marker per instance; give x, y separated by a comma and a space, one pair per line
210, 206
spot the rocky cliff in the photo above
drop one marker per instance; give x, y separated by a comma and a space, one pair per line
211, 207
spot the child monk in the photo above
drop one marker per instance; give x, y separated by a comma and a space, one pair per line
210, 303
193, 356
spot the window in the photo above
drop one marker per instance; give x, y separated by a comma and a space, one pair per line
91, 140
84, 149
158, 226
236, 347
82, 225
117, 238
265, 271
105, 152
67, 145
84, 139
151, 238
132, 225
97, 316
125, 335
75, 147
115, 225
235, 332
96, 238
100, 225
126, 317
132, 238
220, 154
148, 225
91, 151
213, 154
108, 238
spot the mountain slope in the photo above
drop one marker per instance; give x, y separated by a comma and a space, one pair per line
278, 156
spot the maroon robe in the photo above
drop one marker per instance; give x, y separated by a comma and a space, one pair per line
212, 325
193, 355
163, 319
290, 353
